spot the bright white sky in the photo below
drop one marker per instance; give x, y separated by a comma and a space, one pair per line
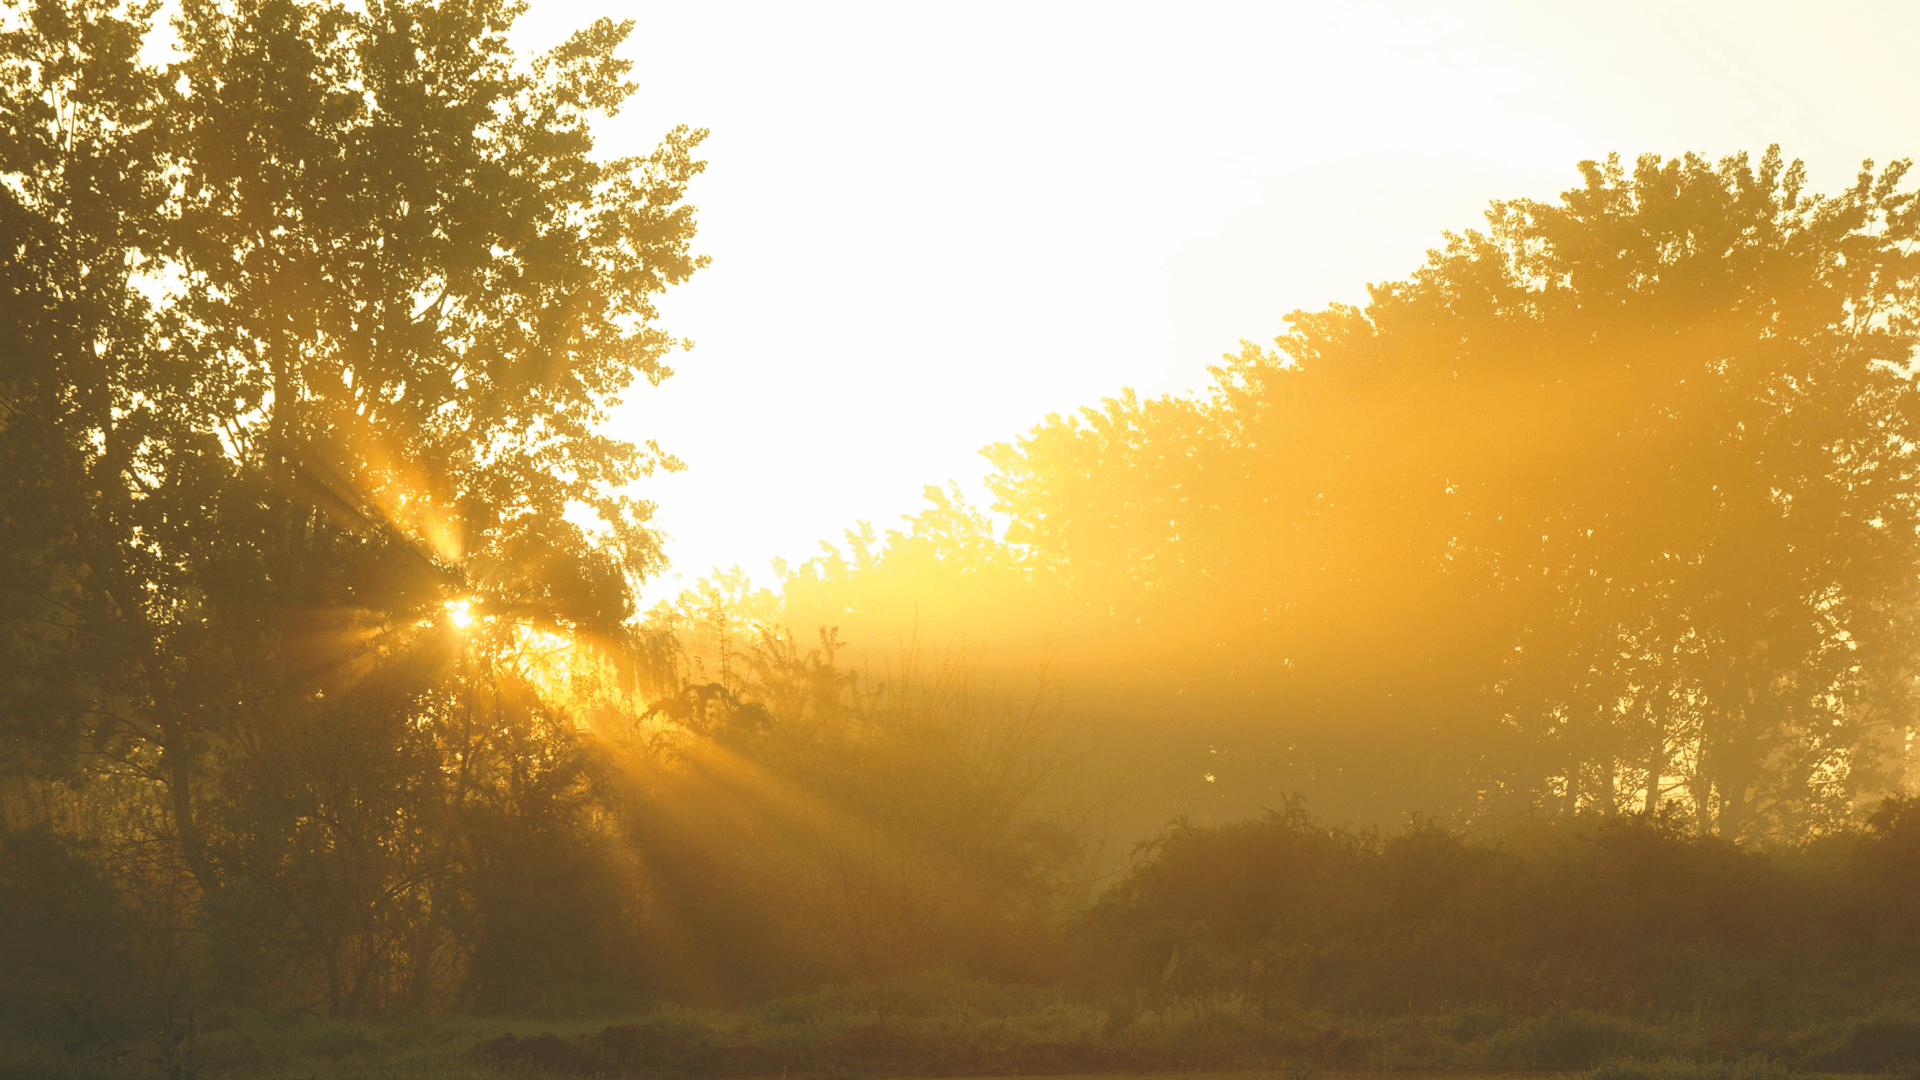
933, 224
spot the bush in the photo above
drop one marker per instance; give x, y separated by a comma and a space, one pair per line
63, 935
1877, 1042
1588, 913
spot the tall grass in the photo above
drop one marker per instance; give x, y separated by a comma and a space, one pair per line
1202, 1032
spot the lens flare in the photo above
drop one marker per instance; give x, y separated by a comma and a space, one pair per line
461, 612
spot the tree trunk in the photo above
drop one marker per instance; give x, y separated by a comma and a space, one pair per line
179, 770
1656, 767
1702, 789
1733, 812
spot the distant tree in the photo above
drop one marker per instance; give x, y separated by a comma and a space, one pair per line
1657, 438
1610, 503
1725, 504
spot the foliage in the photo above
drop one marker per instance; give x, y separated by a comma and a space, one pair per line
1587, 921
940, 1021
64, 938
311, 335
802, 822
1606, 507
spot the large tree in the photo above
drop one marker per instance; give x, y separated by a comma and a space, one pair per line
311, 339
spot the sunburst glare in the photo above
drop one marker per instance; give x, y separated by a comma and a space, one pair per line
460, 612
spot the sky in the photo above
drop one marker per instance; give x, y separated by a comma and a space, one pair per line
932, 225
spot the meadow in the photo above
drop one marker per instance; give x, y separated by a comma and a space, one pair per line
940, 1027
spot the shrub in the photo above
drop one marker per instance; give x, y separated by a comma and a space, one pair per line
1878, 1042
63, 935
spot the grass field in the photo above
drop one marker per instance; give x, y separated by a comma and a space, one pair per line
959, 1028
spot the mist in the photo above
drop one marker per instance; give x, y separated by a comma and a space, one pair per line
1511, 672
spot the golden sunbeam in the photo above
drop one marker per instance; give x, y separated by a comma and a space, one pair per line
460, 612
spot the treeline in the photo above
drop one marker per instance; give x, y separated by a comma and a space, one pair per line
1608, 508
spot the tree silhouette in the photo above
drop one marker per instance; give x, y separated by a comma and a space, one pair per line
313, 335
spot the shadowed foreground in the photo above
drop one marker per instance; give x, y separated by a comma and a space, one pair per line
643, 1050
934, 1028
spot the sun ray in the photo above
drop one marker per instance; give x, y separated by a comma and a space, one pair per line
460, 612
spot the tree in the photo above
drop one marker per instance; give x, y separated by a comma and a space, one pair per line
1609, 503
1736, 356
315, 331
86, 127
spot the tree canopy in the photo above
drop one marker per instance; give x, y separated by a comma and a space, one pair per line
311, 336
1608, 504
321, 684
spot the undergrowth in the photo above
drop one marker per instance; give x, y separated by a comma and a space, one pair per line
1166, 1034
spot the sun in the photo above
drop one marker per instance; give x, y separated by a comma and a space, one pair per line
461, 612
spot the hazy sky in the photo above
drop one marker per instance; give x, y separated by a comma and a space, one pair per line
931, 225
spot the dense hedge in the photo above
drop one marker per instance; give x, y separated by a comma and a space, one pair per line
1615, 913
